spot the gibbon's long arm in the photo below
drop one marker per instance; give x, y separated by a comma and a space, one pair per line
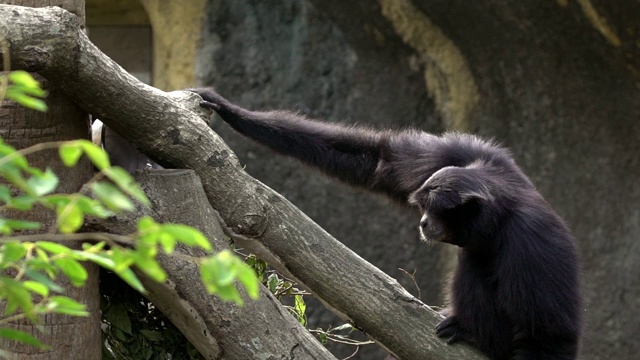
350, 154
393, 163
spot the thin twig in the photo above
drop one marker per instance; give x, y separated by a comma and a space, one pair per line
4, 79
413, 278
342, 340
30, 150
352, 355
94, 236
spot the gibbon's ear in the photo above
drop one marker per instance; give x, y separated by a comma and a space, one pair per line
417, 198
446, 199
481, 194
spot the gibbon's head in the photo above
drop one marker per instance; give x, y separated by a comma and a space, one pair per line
453, 201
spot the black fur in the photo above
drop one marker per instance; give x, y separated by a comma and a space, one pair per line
515, 293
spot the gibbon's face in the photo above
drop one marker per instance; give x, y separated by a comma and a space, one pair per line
432, 229
434, 198
449, 200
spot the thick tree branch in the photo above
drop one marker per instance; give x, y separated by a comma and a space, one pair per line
171, 129
213, 326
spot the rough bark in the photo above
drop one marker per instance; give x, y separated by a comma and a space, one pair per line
171, 128
261, 329
22, 128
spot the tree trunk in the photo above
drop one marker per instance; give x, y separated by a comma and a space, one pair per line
68, 337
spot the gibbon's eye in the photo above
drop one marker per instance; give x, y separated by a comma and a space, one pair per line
430, 188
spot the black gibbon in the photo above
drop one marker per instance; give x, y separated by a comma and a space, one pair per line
515, 293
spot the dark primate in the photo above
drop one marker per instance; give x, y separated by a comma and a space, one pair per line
515, 293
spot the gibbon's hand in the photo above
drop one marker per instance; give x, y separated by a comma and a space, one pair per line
210, 99
209, 105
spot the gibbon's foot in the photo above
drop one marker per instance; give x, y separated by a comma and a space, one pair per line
209, 105
450, 328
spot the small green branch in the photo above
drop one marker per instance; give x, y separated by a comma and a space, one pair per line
30, 150
110, 239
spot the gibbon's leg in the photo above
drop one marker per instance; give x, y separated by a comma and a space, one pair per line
348, 153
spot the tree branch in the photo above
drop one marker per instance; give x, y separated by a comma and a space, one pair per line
213, 326
171, 128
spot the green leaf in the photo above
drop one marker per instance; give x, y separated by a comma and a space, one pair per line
44, 280
96, 154
130, 278
272, 282
20, 336
187, 235
22, 224
345, 326
146, 245
73, 270
3, 145
226, 269
57, 200
13, 251
23, 78
70, 218
17, 159
112, 197
230, 293
70, 152
5, 194
41, 263
16, 296
14, 176
323, 337
123, 258
167, 241
92, 207
44, 183
28, 90
23, 202
151, 335
247, 277
126, 183
219, 271
36, 287
301, 308
118, 317
217, 274
26, 100
93, 247
53, 248
101, 259
4, 227
147, 223
67, 306
151, 268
